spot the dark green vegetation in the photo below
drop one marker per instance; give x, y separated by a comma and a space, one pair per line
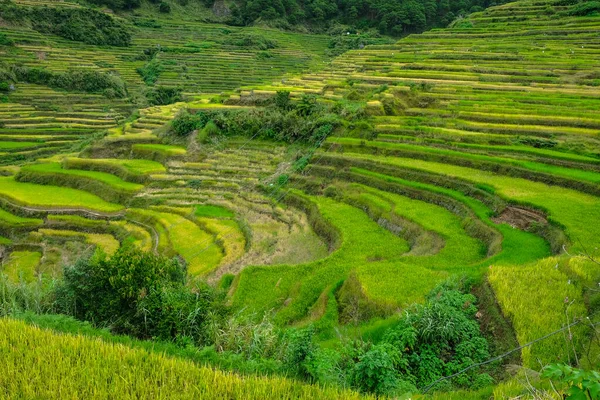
387, 16
378, 222
78, 24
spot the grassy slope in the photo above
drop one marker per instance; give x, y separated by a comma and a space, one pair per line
62, 366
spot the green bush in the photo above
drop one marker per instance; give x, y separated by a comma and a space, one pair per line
184, 122
73, 80
210, 129
151, 71
162, 95
273, 123
4, 86
440, 338
164, 8
282, 100
585, 8
251, 41
5, 40
139, 294
78, 24
117, 4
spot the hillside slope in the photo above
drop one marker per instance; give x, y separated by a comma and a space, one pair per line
338, 199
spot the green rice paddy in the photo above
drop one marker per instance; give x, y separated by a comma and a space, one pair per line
475, 152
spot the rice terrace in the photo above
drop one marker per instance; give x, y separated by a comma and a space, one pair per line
298, 199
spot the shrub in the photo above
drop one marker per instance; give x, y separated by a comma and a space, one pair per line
118, 4
307, 105
282, 100
440, 338
161, 95
376, 372
300, 349
272, 123
73, 80
574, 382
184, 122
210, 129
151, 71
5, 40
585, 8
137, 293
343, 42
164, 8
251, 41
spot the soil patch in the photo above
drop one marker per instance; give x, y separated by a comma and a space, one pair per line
520, 217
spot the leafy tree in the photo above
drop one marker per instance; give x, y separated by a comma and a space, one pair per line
140, 294
107, 290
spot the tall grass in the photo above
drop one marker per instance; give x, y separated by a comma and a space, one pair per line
64, 366
540, 299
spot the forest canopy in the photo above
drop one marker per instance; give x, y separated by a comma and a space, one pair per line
393, 17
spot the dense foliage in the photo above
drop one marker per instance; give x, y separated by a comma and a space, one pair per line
388, 16
5, 40
283, 120
161, 95
574, 383
137, 293
72, 80
430, 341
77, 24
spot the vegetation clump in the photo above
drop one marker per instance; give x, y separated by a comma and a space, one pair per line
73, 80
387, 16
162, 95
78, 24
304, 121
5, 40
251, 41
139, 294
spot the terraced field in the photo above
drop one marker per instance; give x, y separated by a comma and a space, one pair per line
202, 59
481, 152
477, 155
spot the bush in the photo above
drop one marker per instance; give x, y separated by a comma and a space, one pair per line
440, 338
137, 293
118, 4
272, 123
5, 40
585, 8
184, 122
164, 8
210, 129
376, 372
151, 71
73, 80
282, 100
251, 41
161, 95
